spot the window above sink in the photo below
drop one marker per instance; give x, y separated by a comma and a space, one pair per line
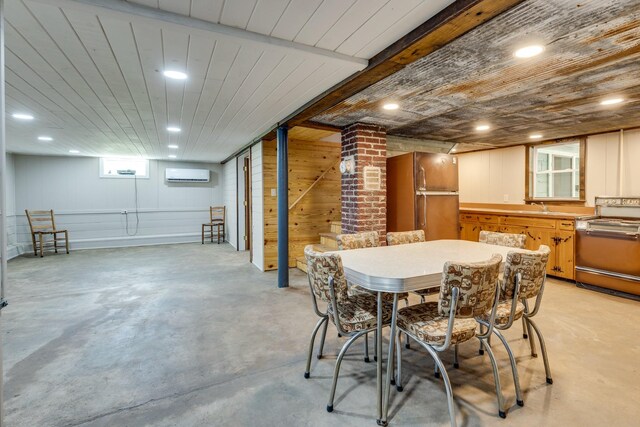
555, 172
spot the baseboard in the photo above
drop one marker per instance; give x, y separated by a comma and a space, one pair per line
122, 242
12, 251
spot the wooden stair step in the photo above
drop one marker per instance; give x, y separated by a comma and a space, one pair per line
329, 239
329, 235
323, 248
301, 263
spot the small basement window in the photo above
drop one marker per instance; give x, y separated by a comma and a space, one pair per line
112, 167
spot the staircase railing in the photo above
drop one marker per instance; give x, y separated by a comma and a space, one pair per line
314, 183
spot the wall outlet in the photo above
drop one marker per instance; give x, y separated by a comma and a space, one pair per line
505, 198
274, 192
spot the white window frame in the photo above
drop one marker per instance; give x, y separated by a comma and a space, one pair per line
575, 167
139, 176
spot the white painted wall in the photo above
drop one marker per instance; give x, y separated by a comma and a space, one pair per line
229, 184
492, 176
486, 176
89, 206
12, 245
257, 207
631, 160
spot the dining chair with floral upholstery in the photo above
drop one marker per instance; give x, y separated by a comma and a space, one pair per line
352, 315
367, 239
524, 278
509, 240
405, 237
467, 290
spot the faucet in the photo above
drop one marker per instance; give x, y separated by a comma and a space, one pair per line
545, 209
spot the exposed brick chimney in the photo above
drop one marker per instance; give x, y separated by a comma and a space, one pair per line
364, 210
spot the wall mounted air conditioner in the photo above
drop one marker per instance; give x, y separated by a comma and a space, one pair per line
187, 175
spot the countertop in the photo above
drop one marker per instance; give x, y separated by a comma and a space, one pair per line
531, 214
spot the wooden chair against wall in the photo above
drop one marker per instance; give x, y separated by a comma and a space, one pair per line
42, 224
217, 220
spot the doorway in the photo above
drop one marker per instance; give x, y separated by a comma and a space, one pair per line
244, 202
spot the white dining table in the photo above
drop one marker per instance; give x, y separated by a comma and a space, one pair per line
403, 268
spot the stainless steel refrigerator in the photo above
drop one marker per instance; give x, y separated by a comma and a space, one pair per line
422, 193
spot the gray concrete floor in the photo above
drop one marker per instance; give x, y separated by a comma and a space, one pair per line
192, 335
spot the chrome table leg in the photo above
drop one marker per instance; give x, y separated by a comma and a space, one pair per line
387, 384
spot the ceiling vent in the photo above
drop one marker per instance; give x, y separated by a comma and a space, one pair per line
187, 175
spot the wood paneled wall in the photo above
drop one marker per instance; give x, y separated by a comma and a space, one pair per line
314, 213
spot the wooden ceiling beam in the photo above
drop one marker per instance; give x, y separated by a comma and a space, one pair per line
153, 15
452, 22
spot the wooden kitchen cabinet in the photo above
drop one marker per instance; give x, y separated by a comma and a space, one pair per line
558, 234
565, 254
469, 230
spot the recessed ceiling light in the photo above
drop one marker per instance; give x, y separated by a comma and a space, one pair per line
74, 151
529, 51
172, 156
173, 129
611, 101
391, 106
173, 146
483, 127
535, 136
45, 138
176, 75
22, 116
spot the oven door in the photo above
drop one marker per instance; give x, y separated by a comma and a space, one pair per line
608, 259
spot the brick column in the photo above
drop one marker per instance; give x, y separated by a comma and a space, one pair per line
364, 210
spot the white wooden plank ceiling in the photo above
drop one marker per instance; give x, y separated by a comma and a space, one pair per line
90, 71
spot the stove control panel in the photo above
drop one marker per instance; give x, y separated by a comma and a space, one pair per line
618, 201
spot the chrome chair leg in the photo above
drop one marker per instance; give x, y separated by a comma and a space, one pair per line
456, 365
406, 336
543, 347
375, 345
514, 368
496, 378
322, 338
481, 349
313, 339
436, 371
336, 371
532, 343
399, 361
366, 348
447, 383
524, 328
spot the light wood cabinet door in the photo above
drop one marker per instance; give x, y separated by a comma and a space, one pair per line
469, 231
565, 255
